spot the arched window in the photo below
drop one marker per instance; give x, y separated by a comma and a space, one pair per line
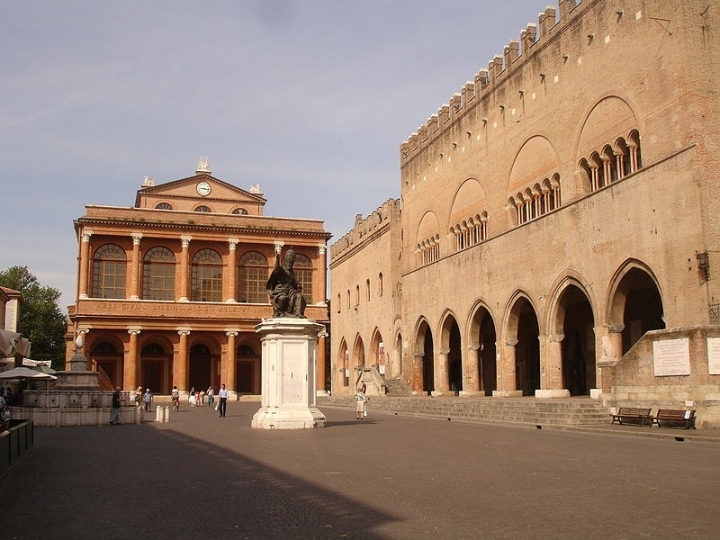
338, 303
159, 274
202, 208
367, 290
153, 348
252, 278
207, 276
240, 211
163, 206
245, 350
109, 271
380, 284
304, 276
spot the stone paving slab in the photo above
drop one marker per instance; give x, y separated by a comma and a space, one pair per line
385, 477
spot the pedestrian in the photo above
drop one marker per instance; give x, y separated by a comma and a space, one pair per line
223, 395
360, 400
148, 400
200, 398
137, 397
175, 396
115, 418
211, 396
191, 397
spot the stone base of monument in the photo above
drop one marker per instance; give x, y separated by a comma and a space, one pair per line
288, 374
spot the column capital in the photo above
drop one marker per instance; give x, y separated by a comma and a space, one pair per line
279, 245
186, 238
511, 342
615, 328
86, 234
321, 249
136, 236
233, 242
134, 331
184, 332
232, 333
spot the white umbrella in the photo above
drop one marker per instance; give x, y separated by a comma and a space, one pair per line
25, 373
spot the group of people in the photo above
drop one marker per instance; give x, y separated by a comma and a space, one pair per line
143, 400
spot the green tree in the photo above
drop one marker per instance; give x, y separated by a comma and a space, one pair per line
40, 320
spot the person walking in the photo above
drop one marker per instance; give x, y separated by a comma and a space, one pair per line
148, 400
115, 418
137, 397
223, 395
211, 396
360, 400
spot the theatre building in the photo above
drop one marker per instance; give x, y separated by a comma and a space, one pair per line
557, 231
169, 290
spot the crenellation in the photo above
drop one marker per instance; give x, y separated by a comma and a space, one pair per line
482, 79
495, 67
444, 114
528, 38
547, 20
364, 228
566, 6
455, 104
511, 53
434, 124
468, 92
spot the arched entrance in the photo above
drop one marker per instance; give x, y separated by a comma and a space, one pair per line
451, 352
248, 370
201, 360
358, 359
344, 362
377, 350
108, 358
155, 372
424, 368
578, 344
643, 308
483, 340
523, 326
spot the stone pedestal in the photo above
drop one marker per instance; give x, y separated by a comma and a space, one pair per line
288, 374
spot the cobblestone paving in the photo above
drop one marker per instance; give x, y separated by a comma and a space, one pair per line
387, 477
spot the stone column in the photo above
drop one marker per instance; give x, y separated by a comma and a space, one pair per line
320, 363
228, 364
507, 382
471, 375
417, 373
232, 272
442, 385
184, 266
322, 282
551, 380
84, 264
131, 371
610, 354
180, 371
135, 268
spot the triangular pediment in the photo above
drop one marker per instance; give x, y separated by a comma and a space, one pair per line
187, 193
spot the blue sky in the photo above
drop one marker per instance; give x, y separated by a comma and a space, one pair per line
311, 99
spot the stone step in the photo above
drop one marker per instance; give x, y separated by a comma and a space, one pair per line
565, 411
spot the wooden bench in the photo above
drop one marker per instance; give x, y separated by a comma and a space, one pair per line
633, 415
675, 418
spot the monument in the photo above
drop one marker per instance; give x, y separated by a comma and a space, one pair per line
289, 344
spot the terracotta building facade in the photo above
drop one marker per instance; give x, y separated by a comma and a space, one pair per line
557, 223
170, 289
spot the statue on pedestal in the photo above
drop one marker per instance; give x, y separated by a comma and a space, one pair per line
284, 290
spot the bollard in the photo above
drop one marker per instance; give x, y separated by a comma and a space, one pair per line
166, 414
158, 414
138, 415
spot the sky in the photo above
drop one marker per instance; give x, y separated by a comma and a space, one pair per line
311, 99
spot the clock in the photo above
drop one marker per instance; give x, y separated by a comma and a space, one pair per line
203, 188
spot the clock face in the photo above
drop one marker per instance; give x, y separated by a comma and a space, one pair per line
203, 188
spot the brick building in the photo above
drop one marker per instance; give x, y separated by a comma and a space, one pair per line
170, 290
557, 220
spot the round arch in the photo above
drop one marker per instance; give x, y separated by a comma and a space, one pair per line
450, 357
481, 371
522, 329
423, 379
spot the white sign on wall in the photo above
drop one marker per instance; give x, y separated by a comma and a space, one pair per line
671, 357
713, 345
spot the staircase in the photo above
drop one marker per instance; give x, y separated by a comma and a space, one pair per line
577, 411
397, 387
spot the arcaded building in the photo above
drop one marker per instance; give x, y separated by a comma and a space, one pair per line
171, 288
557, 227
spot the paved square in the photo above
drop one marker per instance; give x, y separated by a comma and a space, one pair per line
386, 477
